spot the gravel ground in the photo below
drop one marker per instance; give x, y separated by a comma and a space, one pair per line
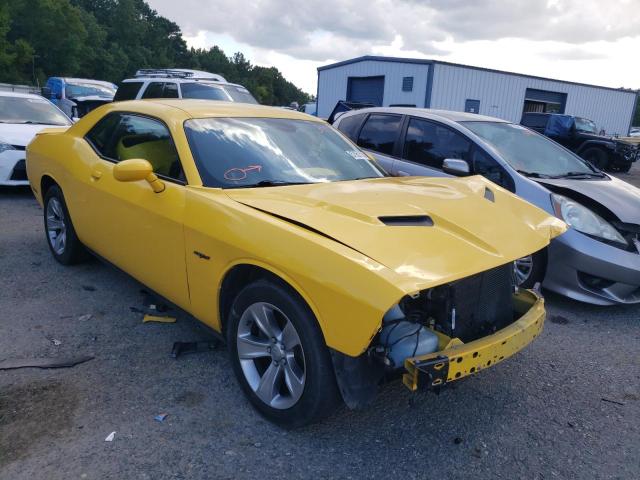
568, 406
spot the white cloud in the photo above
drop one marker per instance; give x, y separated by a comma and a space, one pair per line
589, 41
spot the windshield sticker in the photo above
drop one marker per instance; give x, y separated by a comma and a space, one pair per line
357, 154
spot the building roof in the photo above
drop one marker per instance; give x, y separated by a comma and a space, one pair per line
421, 61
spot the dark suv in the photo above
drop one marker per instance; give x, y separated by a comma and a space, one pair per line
580, 135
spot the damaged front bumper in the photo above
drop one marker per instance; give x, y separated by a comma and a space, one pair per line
457, 360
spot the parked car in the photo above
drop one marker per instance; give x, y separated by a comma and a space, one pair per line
269, 226
78, 96
181, 83
580, 135
596, 261
22, 116
634, 132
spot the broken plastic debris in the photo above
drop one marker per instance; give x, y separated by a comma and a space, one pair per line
110, 437
85, 317
56, 342
161, 416
158, 318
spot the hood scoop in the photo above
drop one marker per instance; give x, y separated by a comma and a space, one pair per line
407, 221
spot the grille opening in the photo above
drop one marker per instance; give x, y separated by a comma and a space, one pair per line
468, 309
407, 221
594, 283
19, 171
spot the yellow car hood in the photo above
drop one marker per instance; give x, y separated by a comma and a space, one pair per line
475, 224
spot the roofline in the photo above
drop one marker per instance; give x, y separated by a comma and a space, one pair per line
377, 58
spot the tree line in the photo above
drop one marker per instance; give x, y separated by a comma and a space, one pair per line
110, 40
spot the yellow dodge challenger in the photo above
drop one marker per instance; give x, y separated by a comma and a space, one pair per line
324, 276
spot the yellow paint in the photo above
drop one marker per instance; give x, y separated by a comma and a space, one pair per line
158, 319
350, 276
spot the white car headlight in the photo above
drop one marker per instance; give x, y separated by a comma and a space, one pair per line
584, 220
6, 146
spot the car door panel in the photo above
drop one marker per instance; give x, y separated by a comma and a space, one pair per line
130, 225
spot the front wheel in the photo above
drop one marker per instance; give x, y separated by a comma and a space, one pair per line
61, 236
279, 356
531, 269
597, 157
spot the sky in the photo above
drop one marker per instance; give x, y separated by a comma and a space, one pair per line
589, 41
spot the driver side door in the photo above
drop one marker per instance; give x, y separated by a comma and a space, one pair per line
133, 227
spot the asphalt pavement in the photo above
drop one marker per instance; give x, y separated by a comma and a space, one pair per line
568, 406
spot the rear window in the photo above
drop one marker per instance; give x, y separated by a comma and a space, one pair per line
350, 125
203, 91
240, 94
380, 133
127, 91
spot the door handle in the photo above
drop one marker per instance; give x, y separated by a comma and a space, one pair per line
96, 174
403, 174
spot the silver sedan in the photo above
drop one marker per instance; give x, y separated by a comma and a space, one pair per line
596, 261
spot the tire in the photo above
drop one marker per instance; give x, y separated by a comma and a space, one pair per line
58, 228
622, 167
291, 380
537, 268
597, 157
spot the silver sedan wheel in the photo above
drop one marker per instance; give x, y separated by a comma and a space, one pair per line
522, 269
271, 355
56, 226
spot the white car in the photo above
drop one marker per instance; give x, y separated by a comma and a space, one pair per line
22, 116
181, 83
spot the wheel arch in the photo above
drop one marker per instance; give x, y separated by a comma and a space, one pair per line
241, 274
46, 182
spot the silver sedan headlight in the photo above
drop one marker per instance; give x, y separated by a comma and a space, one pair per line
6, 146
584, 220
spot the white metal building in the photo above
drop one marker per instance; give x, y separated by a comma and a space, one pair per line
390, 81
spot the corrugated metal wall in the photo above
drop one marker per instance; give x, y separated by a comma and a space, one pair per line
502, 95
332, 83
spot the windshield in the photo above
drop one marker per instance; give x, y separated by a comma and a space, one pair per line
30, 110
586, 125
239, 94
204, 91
87, 89
529, 152
251, 152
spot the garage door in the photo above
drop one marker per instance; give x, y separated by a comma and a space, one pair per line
365, 89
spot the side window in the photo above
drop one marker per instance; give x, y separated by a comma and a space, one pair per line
429, 144
486, 166
170, 90
154, 90
102, 134
127, 91
350, 125
380, 133
142, 137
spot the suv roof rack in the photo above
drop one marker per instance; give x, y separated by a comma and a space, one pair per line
179, 73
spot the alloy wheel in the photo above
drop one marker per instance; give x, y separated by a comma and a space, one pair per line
56, 226
522, 269
271, 355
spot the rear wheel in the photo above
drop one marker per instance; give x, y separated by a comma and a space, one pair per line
530, 270
279, 356
597, 157
61, 236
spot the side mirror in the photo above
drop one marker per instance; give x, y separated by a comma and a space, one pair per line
135, 170
454, 166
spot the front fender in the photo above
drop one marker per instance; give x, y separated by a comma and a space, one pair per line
348, 292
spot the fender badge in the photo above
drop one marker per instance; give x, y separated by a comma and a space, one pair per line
201, 255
